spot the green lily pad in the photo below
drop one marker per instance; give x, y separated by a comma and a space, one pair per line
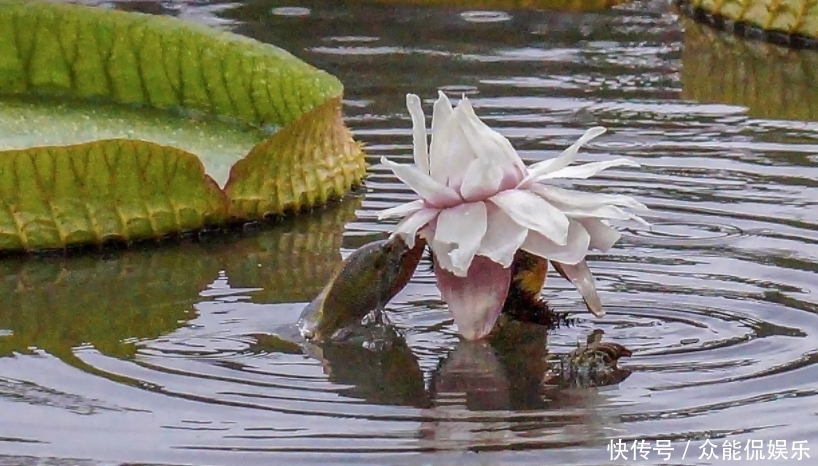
127, 126
792, 17
31, 123
97, 192
308, 162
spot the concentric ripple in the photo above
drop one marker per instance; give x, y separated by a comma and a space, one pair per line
188, 355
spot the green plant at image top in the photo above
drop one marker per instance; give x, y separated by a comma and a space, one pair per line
86, 181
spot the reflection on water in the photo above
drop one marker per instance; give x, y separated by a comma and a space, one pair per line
718, 65
180, 354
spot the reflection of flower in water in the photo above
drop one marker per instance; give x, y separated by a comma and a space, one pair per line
499, 393
480, 204
490, 394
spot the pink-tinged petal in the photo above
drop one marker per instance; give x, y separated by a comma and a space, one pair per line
481, 181
427, 233
570, 253
561, 161
439, 249
580, 275
430, 190
534, 212
451, 152
488, 143
464, 226
580, 205
408, 227
503, 236
421, 147
442, 254
584, 199
475, 300
601, 212
603, 236
580, 210
401, 210
587, 170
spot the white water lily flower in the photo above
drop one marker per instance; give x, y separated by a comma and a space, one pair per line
480, 204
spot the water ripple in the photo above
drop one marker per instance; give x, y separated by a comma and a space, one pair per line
717, 299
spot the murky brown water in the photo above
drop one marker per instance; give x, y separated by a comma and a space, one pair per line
167, 355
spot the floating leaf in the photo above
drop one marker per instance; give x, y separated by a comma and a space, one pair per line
130, 58
32, 123
775, 17
130, 189
307, 163
103, 190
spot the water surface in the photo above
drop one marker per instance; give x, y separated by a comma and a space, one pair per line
168, 355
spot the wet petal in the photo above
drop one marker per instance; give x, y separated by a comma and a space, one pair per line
488, 143
482, 180
401, 210
503, 236
580, 275
463, 226
584, 199
440, 249
579, 205
475, 300
430, 190
561, 161
427, 233
451, 153
534, 212
587, 170
408, 227
441, 112
442, 254
603, 236
601, 211
570, 253
421, 148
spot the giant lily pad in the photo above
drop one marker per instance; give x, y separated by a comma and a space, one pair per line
787, 22
128, 96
